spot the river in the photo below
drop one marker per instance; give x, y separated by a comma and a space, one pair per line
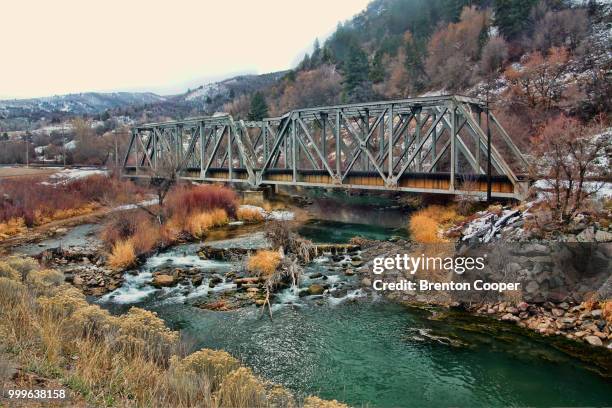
360, 349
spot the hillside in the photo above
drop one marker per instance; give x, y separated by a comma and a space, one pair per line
87, 103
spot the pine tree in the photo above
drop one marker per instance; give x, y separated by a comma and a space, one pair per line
377, 72
355, 69
512, 16
315, 58
259, 107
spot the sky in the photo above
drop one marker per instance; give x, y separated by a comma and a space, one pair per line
70, 46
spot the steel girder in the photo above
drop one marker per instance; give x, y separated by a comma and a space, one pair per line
404, 145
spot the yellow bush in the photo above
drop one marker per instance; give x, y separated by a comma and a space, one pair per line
122, 255
21, 264
92, 321
64, 303
215, 365
316, 402
11, 293
199, 223
45, 278
142, 332
41, 217
425, 224
247, 214
7, 271
264, 262
241, 389
12, 227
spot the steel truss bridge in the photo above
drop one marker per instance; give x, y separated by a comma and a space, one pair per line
441, 145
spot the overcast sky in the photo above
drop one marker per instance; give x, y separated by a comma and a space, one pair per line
63, 46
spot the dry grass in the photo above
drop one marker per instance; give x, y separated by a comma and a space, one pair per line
127, 360
13, 226
264, 262
426, 224
316, 402
199, 223
122, 255
249, 215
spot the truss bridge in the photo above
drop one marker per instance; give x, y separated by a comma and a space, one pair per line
440, 145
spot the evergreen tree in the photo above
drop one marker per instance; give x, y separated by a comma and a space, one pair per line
355, 69
315, 58
259, 107
512, 16
377, 72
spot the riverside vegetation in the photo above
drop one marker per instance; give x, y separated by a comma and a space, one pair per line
131, 359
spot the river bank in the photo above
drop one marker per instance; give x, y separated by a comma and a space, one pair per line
334, 337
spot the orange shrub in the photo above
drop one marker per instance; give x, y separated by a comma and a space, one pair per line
184, 200
425, 224
122, 255
247, 214
264, 262
11, 227
199, 223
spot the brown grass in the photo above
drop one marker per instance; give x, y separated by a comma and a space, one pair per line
264, 262
249, 215
127, 360
122, 255
426, 224
13, 226
198, 224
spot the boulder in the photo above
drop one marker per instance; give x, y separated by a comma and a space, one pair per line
162, 280
315, 289
509, 317
593, 340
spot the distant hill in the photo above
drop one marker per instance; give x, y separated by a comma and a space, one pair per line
89, 103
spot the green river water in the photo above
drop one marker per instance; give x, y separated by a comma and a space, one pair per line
365, 351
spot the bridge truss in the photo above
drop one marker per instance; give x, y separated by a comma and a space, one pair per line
442, 144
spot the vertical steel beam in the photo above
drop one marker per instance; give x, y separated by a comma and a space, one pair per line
338, 148
202, 150
434, 142
293, 150
230, 157
324, 137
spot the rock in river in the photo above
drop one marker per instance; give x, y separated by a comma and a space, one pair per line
316, 289
163, 280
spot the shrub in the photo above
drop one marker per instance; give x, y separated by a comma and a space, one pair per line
264, 262
425, 224
197, 224
241, 389
12, 226
316, 402
185, 200
7, 271
214, 365
63, 303
23, 265
122, 255
141, 332
92, 322
247, 214
45, 278
11, 293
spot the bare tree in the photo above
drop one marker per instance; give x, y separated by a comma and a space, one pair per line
567, 153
